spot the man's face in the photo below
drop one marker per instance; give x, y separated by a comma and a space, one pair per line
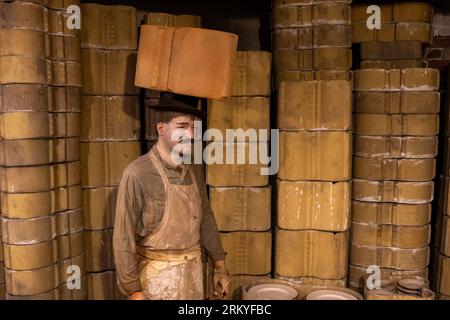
178, 134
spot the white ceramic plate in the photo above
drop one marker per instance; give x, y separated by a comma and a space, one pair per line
272, 292
330, 295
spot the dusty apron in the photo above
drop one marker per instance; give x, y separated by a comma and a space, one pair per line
171, 267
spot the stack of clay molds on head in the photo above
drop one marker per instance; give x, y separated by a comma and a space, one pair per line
396, 123
404, 28
152, 96
239, 192
311, 40
110, 130
40, 91
313, 186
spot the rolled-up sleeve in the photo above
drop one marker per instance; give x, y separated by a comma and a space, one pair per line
209, 236
128, 211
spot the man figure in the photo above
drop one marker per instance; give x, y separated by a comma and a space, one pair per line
163, 216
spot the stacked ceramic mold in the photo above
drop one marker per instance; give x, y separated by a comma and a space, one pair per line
403, 21
110, 130
398, 44
391, 55
313, 204
152, 96
311, 40
240, 194
441, 250
40, 88
395, 145
2, 268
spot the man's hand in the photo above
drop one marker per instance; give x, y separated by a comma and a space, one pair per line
222, 281
136, 296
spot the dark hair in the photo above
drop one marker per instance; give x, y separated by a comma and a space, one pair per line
166, 116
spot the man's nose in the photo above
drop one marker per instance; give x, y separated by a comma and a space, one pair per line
190, 133
185, 135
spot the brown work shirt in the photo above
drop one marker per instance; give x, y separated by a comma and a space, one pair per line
140, 208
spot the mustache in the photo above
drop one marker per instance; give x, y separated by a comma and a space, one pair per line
183, 140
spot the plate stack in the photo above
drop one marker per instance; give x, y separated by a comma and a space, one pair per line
405, 27
40, 88
110, 130
152, 96
395, 145
313, 188
311, 40
240, 194
275, 289
402, 288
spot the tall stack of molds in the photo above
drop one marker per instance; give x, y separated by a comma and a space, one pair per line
110, 131
152, 96
405, 27
313, 187
240, 194
2, 268
40, 89
311, 40
441, 250
395, 145
437, 56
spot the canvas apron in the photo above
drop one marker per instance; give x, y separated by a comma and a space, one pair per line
171, 266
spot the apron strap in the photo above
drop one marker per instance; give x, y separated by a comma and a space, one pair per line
159, 167
194, 181
163, 175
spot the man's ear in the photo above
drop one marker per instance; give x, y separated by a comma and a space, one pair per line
160, 128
